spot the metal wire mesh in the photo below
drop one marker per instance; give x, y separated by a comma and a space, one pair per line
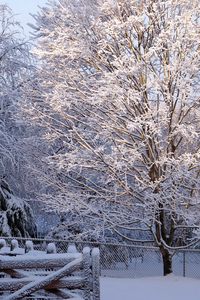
128, 261
187, 263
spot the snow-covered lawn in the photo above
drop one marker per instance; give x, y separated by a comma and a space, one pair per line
153, 288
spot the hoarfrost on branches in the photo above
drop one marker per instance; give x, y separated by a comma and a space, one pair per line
15, 69
120, 106
15, 215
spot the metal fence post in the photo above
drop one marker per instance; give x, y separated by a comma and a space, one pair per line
183, 263
95, 274
86, 272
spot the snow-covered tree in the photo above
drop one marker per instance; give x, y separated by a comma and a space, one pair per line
15, 67
120, 103
16, 218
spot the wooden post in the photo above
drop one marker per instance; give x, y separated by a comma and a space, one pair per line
51, 248
14, 245
2, 243
28, 246
96, 273
86, 273
72, 248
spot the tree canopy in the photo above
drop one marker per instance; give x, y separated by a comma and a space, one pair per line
117, 92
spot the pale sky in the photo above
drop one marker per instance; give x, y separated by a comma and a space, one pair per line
22, 8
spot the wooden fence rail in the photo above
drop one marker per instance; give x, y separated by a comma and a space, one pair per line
68, 275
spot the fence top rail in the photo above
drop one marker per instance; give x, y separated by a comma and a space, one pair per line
189, 250
97, 244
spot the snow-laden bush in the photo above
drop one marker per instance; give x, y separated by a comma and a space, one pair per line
16, 218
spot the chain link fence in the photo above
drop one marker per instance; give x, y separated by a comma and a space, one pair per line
127, 261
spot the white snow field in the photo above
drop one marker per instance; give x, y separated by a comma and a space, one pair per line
151, 288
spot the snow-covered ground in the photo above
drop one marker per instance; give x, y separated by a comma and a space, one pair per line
151, 288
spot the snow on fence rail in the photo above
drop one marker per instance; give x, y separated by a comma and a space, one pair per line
67, 275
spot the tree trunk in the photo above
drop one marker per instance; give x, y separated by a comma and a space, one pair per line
167, 261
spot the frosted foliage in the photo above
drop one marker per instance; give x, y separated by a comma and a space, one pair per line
120, 106
15, 68
16, 217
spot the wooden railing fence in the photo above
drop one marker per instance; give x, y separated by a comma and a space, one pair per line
25, 271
